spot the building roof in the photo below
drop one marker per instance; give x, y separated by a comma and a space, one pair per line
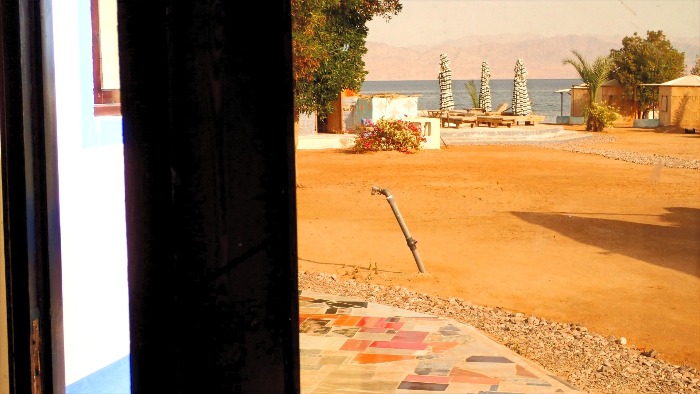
580, 86
688, 80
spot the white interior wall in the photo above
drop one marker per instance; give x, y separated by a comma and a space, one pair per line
91, 192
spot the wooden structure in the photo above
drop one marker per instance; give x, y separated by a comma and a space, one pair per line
529, 120
579, 100
495, 120
456, 118
342, 119
509, 120
499, 110
611, 93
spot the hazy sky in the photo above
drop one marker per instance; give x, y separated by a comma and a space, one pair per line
434, 21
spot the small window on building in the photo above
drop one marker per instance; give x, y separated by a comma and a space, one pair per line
105, 57
663, 105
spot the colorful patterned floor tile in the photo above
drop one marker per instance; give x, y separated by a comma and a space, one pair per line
350, 346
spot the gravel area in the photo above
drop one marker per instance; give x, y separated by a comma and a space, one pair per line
591, 362
584, 146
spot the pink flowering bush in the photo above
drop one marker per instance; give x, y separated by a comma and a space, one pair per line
388, 134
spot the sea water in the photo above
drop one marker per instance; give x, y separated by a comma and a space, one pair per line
542, 92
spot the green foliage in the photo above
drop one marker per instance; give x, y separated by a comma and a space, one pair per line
473, 93
592, 74
650, 60
328, 43
600, 116
387, 135
696, 68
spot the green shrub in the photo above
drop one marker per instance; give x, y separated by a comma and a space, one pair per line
388, 134
600, 117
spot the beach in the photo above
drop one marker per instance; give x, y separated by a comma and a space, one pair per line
545, 100
603, 232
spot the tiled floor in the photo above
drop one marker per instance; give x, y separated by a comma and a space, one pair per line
351, 346
112, 379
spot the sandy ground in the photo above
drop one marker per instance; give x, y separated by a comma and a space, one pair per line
571, 237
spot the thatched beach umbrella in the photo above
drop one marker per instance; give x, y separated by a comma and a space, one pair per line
445, 81
485, 90
521, 100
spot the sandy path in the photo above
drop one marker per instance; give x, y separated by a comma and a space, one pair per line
570, 237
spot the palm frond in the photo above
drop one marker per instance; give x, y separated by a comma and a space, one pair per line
473, 93
592, 74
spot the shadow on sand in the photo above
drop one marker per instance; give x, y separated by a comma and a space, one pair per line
675, 246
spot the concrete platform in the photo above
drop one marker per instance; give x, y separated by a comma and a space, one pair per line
514, 135
465, 135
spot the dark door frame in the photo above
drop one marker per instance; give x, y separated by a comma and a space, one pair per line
210, 196
30, 198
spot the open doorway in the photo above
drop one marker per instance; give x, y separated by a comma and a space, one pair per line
91, 190
271, 359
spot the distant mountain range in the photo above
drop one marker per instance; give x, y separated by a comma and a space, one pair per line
542, 55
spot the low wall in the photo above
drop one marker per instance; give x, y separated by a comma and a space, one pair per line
646, 123
385, 106
431, 131
569, 120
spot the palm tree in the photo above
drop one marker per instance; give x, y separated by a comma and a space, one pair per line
592, 75
473, 93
